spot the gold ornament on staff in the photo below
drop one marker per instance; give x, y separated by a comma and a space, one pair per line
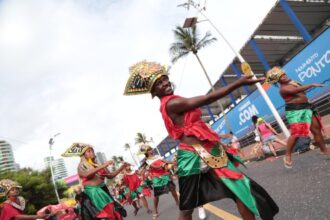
246, 69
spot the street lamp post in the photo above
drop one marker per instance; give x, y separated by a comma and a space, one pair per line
51, 142
241, 59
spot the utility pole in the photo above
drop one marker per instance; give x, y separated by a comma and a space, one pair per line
51, 142
244, 63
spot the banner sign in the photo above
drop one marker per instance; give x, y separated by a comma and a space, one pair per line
311, 65
240, 116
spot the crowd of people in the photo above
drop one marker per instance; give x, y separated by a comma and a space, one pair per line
206, 168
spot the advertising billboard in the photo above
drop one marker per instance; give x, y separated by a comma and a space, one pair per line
311, 65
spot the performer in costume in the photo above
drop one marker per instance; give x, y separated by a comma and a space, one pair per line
160, 177
300, 114
93, 176
134, 183
14, 205
121, 189
146, 183
206, 171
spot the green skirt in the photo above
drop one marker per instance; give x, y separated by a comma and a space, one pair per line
98, 196
198, 188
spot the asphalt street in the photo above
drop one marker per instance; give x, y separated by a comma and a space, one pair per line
302, 193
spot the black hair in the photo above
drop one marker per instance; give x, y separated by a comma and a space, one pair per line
254, 119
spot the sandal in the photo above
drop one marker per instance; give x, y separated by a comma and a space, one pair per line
287, 164
154, 216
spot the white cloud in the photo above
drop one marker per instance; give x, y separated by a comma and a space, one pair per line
64, 65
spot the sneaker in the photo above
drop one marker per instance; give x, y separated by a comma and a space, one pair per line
201, 213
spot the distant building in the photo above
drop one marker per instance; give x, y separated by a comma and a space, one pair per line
47, 161
17, 166
7, 161
59, 168
100, 157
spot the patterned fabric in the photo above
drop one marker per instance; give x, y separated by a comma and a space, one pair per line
76, 150
274, 74
142, 77
6, 185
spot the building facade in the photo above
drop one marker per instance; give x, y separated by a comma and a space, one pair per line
58, 165
7, 161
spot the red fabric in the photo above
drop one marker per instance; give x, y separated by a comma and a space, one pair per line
193, 124
146, 192
100, 172
156, 172
109, 212
8, 212
83, 180
300, 129
228, 173
232, 151
128, 197
132, 181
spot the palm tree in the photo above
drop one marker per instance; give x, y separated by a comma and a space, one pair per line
115, 161
120, 158
188, 41
127, 146
142, 140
